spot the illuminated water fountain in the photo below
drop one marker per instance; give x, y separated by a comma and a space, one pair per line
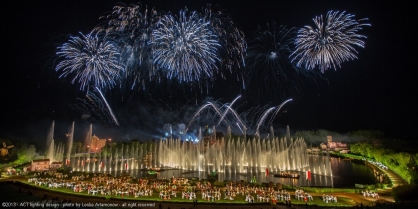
232, 158
120, 157
221, 155
234, 155
54, 152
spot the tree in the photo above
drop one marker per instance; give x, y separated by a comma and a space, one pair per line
26, 153
373, 137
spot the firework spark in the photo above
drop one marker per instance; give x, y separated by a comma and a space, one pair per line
330, 43
91, 61
185, 48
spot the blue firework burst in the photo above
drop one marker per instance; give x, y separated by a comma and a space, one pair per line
185, 48
90, 61
330, 43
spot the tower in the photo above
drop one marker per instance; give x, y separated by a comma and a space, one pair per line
329, 139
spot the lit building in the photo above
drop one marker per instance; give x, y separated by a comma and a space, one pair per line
336, 146
40, 165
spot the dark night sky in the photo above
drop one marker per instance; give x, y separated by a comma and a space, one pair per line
375, 91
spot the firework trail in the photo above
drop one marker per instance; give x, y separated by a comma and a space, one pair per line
228, 107
131, 27
90, 107
278, 110
221, 112
239, 127
330, 43
237, 117
256, 115
208, 104
91, 61
96, 105
185, 48
261, 120
115, 120
253, 115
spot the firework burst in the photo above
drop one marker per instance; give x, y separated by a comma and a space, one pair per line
330, 43
131, 27
270, 48
269, 72
229, 35
91, 61
185, 48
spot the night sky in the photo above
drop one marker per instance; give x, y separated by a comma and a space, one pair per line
376, 91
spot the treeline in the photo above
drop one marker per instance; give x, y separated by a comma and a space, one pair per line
398, 155
376, 137
402, 163
316, 137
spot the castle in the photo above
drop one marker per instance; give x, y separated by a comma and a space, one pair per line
335, 146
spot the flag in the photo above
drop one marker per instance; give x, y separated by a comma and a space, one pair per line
67, 162
126, 166
267, 171
102, 164
82, 163
308, 175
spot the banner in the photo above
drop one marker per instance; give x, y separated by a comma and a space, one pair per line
308, 175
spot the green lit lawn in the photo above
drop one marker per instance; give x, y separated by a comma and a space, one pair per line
348, 155
321, 190
342, 202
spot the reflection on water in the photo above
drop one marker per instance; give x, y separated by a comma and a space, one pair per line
348, 172
345, 173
